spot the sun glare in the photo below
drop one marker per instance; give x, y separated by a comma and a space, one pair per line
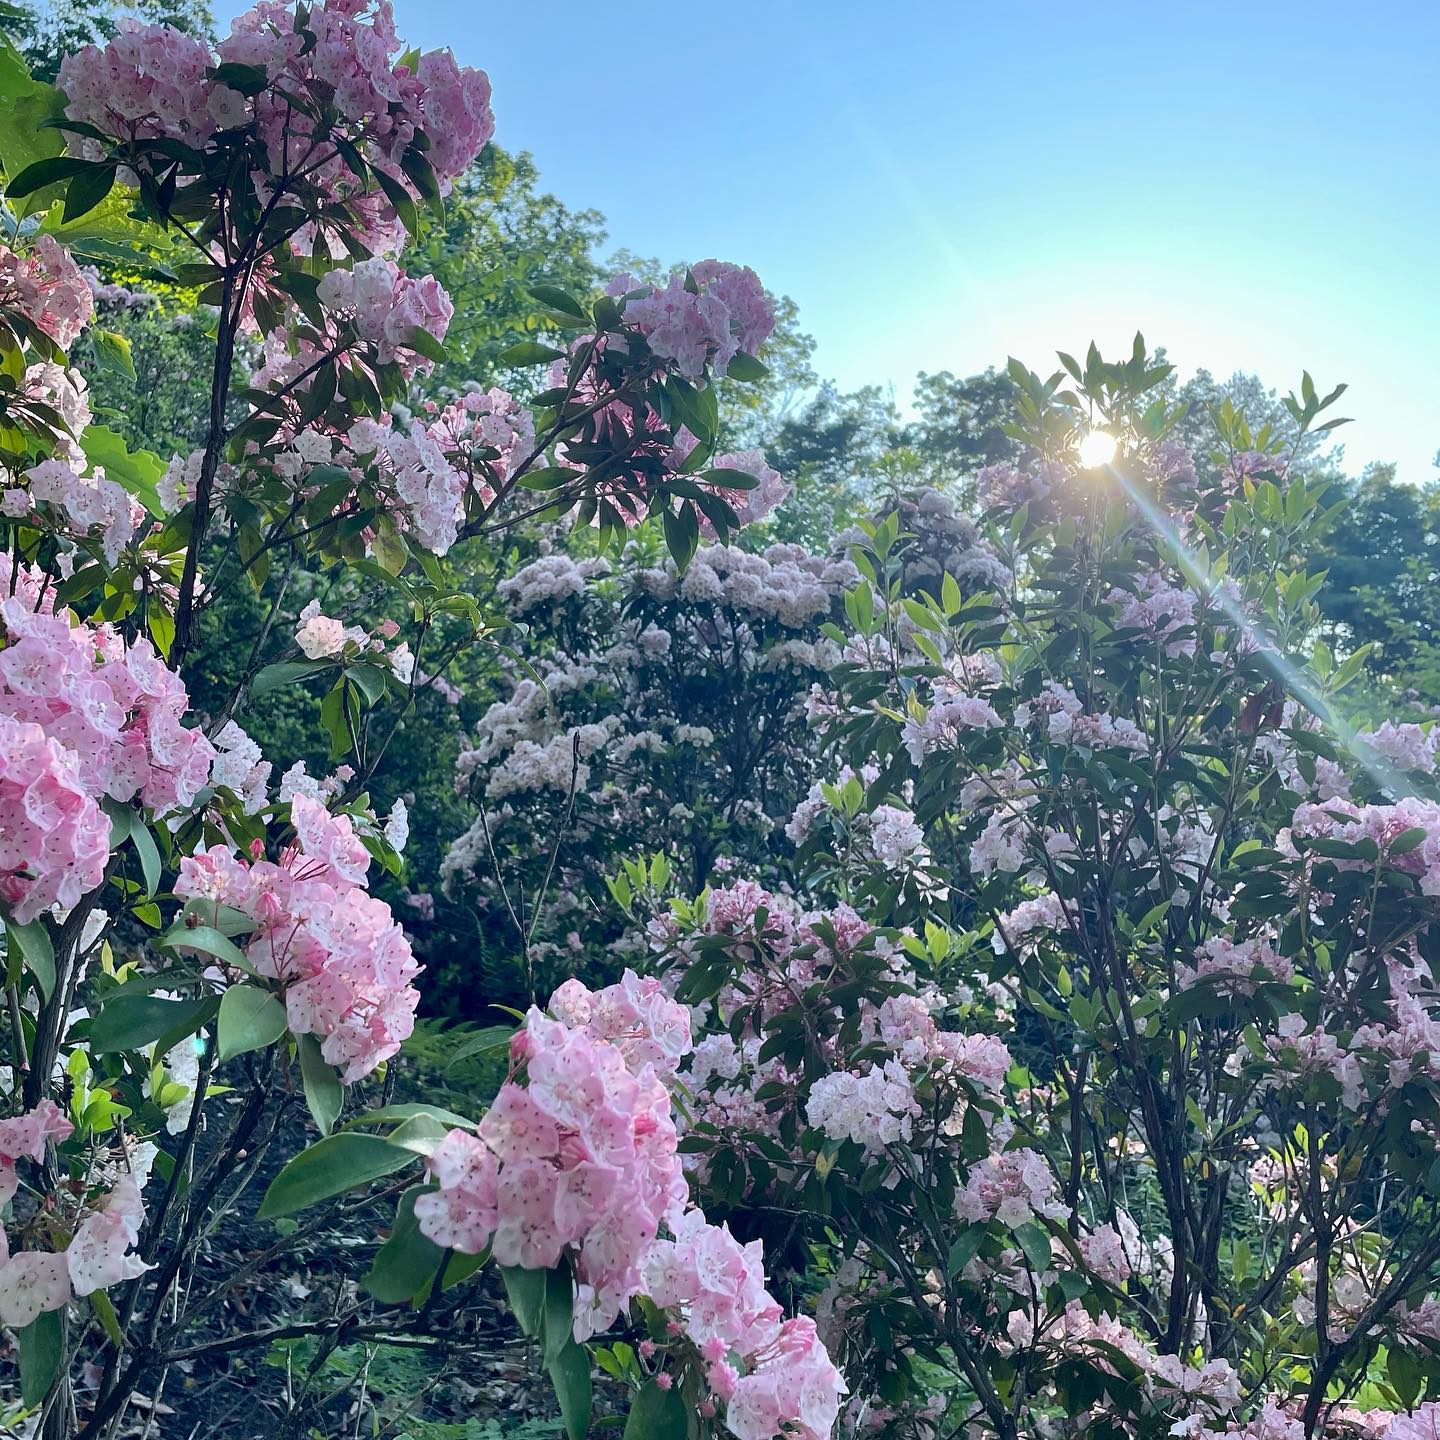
1097, 448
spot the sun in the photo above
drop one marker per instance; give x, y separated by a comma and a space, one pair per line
1097, 448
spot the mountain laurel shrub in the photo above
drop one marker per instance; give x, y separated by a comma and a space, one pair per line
1087, 1085
194, 959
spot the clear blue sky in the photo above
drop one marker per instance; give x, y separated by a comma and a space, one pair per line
1255, 185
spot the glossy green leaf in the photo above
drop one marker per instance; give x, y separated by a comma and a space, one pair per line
338, 1163
250, 1019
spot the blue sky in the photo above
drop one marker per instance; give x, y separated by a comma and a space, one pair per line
1254, 185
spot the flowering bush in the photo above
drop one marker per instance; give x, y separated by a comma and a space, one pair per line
665, 712
1112, 1109
194, 958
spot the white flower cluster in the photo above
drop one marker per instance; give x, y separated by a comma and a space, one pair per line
874, 1110
951, 714
1068, 723
239, 767
550, 581
785, 583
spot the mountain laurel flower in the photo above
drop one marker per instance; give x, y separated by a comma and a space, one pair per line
387, 307
727, 312
48, 288
1011, 1187
114, 705
54, 837
100, 1254
341, 960
583, 1155
874, 1110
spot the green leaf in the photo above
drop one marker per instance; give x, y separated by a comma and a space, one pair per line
32, 942
324, 1093
138, 471
559, 1311
656, 1415
529, 352
249, 80
25, 106
371, 679
406, 1264
551, 477
570, 1374
682, 535
1035, 1242
330, 1167
411, 1110
964, 1249
697, 410
552, 297
389, 548
746, 368
42, 173
112, 353
250, 1019
726, 478
525, 1289
148, 853
422, 342
105, 1313
208, 941
133, 1021
42, 1347
87, 190
287, 672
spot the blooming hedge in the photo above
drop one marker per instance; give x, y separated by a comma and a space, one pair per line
1111, 1109
179, 926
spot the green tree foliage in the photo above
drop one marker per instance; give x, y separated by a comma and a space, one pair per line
502, 232
46, 32
1380, 586
960, 424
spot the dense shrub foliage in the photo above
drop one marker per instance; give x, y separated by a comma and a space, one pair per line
278, 174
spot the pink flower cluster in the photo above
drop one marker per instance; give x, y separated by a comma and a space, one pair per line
582, 1156
1160, 610
454, 111
54, 837
635, 1015
1406, 746
24, 1137
149, 82
1028, 924
387, 307
952, 712
1339, 819
354, 58
431, 466
1068, 723
48, 288
875, 1110
100, 1250
1234, 966
1103, 1251
773, 1375
484, 421
728, 312
750, 506
341, 961
116, 707
152, 82
1012, 1187
85, 504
